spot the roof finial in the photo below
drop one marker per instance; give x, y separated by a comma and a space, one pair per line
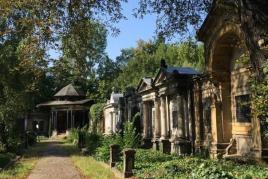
163, 64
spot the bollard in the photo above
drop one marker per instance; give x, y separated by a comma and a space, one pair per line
129, 158
114, 154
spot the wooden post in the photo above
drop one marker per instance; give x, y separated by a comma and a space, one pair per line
129, 160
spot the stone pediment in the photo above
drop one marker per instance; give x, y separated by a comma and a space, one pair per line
145, 84
160, 77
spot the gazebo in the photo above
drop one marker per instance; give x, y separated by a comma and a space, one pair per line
68, 110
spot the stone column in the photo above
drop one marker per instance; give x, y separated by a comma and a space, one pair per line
197, 93
111, 127
129, 159
145, 120
157, 123
129, 111
167, 116
163, 118
67, 127
71, 119
186, 116
216, 129
181, 122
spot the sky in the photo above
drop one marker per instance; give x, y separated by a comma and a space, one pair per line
131, 30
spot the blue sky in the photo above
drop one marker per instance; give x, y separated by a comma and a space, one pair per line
131, 30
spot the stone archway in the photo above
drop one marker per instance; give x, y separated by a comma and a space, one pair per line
222, 62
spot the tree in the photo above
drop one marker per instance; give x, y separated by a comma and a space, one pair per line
144, 60
27, 30
175, 16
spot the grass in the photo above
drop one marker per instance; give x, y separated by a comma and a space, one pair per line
92, 168
23, 167
87, 165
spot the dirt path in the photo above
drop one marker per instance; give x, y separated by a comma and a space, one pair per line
55, 163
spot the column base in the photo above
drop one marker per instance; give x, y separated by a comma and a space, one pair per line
181, 147
146, 143
156, 144
54, 133
217, 150
165, 146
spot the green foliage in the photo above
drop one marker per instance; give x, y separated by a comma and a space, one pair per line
73, 135
144, 60
103, 152
96, 117
93, 141
130, 136
260, 100
129, 139
155, 164
5, 158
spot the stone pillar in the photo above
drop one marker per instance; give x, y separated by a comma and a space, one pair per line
216, 129
186, 117
129, 111
145, 120
72, 119
197, 93
129, 159
164, 142
163, 118
167, 116
181, 122
114, 154
67, 122
157, 125
55, 132
111, 124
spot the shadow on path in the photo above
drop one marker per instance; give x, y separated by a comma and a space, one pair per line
55, 161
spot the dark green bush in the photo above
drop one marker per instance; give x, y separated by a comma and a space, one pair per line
103, 152
5, 158
93, 141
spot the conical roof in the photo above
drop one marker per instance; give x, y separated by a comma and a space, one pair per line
68, 90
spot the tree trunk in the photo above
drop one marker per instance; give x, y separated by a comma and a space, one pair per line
252, 36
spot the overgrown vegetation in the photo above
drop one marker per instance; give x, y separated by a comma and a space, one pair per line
96, 116
98, 146
260, 100
155, 164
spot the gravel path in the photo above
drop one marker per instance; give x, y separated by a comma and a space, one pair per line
55, 164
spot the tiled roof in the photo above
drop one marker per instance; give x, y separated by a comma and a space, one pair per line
68, 90
182, 70
65, 102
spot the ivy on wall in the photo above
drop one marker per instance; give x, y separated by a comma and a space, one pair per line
260, 100
96, 117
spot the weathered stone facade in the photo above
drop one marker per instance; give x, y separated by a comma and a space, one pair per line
120, 108
168, 110
112, 114
222, 97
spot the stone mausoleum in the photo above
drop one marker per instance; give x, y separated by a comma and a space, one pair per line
121, 107
223, 120
68, 110
167, 110
112, 114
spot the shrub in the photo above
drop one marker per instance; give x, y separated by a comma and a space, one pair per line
92, 142
73, 135
5, 158
130, 137
103, 152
